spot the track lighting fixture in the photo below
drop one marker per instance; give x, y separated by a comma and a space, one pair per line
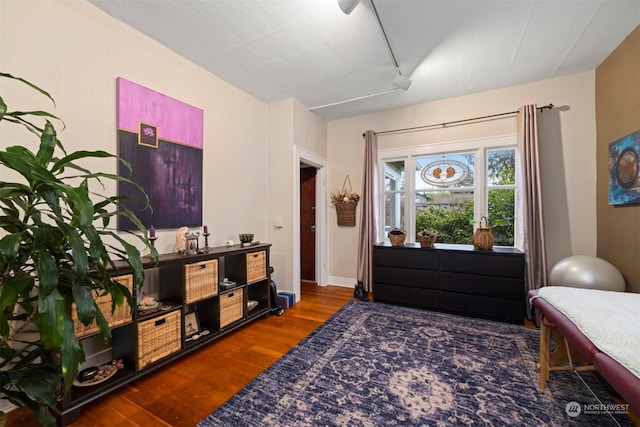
401, 81
347, 6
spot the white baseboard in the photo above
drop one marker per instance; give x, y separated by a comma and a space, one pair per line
346, 282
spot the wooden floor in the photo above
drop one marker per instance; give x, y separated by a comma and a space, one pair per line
188, 390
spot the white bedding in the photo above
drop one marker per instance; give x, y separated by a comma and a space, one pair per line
611, 320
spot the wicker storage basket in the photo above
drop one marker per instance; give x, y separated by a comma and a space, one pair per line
427, 238
256, 266
346, 212
483, 237
200, 280
122, 314
397, 236
231, 304
158, 338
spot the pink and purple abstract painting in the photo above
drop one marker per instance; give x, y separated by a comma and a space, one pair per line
162, 139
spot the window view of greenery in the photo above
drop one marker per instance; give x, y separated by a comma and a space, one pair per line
453, 220
444, 192
444, 196
451, 212
501, 180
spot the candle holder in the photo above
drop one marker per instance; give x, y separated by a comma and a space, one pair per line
153, 244
206, 242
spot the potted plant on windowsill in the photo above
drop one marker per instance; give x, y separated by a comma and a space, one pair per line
56, 248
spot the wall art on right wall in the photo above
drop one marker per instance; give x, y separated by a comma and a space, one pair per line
624, 167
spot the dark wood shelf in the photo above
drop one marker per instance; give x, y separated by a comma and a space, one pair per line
166, 279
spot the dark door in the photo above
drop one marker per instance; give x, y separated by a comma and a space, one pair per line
308, 223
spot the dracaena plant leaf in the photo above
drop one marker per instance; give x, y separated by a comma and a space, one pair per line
56, 250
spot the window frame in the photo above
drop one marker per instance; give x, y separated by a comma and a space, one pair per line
479, 146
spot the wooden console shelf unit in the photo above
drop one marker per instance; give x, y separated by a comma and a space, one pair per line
187, 286
452, 278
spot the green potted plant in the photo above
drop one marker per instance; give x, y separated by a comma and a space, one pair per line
57, 246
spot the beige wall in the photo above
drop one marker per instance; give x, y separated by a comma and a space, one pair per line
617, 115
75, 51
567, 135
290, 125
280, 188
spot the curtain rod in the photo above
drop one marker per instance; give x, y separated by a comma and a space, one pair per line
444, 125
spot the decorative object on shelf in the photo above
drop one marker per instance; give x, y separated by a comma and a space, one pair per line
230, 243
97, 374
245, 239
483, 236
152, 240
197, 336
226, 284
193, 245
191, 325
87, 374
346, 202
181, 239
427, 238
251, 304
147, 302
397, 236
206, 235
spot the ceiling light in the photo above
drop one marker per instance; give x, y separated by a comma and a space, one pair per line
401, 81
347, 6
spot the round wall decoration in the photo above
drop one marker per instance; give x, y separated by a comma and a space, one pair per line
444, 173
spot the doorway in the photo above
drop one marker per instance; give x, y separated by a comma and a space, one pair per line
305, 159
307, 223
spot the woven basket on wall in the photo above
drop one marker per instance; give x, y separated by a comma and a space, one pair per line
397, 236
483, 237
346, 212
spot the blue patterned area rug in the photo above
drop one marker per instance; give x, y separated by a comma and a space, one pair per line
374, 364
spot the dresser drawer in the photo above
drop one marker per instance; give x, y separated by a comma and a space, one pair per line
406, 277
413, 297
498, 287
426, 259
505, 310
490, 264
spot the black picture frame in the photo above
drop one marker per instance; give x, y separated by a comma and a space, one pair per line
191, 325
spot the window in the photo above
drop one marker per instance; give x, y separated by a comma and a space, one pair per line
393, 195
501, 195
449, 187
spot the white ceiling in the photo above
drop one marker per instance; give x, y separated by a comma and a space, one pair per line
311, 51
